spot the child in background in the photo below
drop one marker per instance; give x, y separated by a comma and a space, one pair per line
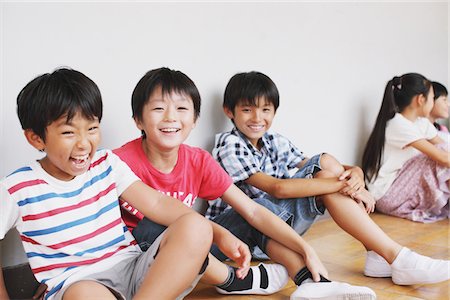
260, 163
65, 206
440, 110
406, 163
166, 105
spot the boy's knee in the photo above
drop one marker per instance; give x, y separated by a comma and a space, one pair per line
87, 289
195, 229
325, 174
331, 164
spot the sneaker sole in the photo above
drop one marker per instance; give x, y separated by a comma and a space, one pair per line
339, 297
377, 275
400, 282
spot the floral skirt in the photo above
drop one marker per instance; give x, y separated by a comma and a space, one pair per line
420, 192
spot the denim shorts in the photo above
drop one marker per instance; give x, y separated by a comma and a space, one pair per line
304, 210
238, 226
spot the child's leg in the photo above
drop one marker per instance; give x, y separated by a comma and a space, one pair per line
302, 277
188, 241
304, 210
292, 260
351, 217
407, 267
262, 279
146, 232
87, 289
419, 193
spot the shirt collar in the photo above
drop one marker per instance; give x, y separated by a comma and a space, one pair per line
264, 140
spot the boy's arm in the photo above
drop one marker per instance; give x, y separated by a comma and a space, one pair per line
165, 210
154, 205
233, 248
295, 187
274, 227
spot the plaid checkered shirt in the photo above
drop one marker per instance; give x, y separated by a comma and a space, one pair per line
240, 159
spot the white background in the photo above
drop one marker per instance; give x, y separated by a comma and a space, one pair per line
330, 61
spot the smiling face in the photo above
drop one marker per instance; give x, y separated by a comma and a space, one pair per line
69, 145
252, 120
167, 120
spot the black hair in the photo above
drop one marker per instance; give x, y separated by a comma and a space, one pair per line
439, 90
398, 94
169, 81
248, 88
50, 96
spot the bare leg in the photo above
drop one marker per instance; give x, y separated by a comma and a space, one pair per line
330, 164
187, 240
88, 290
291, 260
216, 272
354, 220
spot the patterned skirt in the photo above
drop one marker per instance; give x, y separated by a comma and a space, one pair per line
420, 192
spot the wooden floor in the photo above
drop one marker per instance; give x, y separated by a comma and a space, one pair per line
344, 258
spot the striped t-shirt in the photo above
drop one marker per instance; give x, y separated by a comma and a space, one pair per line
69, 229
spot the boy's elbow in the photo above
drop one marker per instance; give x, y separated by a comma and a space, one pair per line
279, 191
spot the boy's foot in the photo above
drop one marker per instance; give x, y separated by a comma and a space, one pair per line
376, 265
267, 279
310, 290
412, 268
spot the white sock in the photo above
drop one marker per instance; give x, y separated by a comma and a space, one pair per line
410, 267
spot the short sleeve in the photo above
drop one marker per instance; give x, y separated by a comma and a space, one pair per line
215, 180
124, 176
234, 157
293, 155
401, 132
427, 128
9, 211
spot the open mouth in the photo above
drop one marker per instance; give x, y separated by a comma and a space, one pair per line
256, 127
80, 161
169, 130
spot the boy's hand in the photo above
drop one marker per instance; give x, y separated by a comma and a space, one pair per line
367, 199
354, 181
237, 251
40, 292
314, 265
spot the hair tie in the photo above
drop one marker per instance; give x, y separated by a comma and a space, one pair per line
397, 83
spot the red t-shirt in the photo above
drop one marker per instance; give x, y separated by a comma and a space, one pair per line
196, 174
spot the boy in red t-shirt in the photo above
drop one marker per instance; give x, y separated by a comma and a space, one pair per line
166, 105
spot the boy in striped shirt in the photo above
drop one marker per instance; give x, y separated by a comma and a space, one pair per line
65, 206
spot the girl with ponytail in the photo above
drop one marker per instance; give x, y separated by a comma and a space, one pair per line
407, 165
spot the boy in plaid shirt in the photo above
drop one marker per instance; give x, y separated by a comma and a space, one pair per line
261, 164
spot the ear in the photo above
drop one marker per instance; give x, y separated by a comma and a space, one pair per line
34, 139
228, 113
420, 99
138, 123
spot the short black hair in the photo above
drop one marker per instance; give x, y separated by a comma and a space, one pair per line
248, 88
169, 81
50, 96
439, 90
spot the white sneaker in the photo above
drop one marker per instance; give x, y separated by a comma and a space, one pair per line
376, 265
412, 268
276, 278
310, 290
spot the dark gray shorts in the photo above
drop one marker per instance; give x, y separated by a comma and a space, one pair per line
125, 278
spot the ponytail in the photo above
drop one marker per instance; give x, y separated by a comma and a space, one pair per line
398, 94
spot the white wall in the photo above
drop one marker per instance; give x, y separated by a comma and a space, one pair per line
330, 62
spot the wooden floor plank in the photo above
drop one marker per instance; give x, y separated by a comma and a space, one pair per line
344, 258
